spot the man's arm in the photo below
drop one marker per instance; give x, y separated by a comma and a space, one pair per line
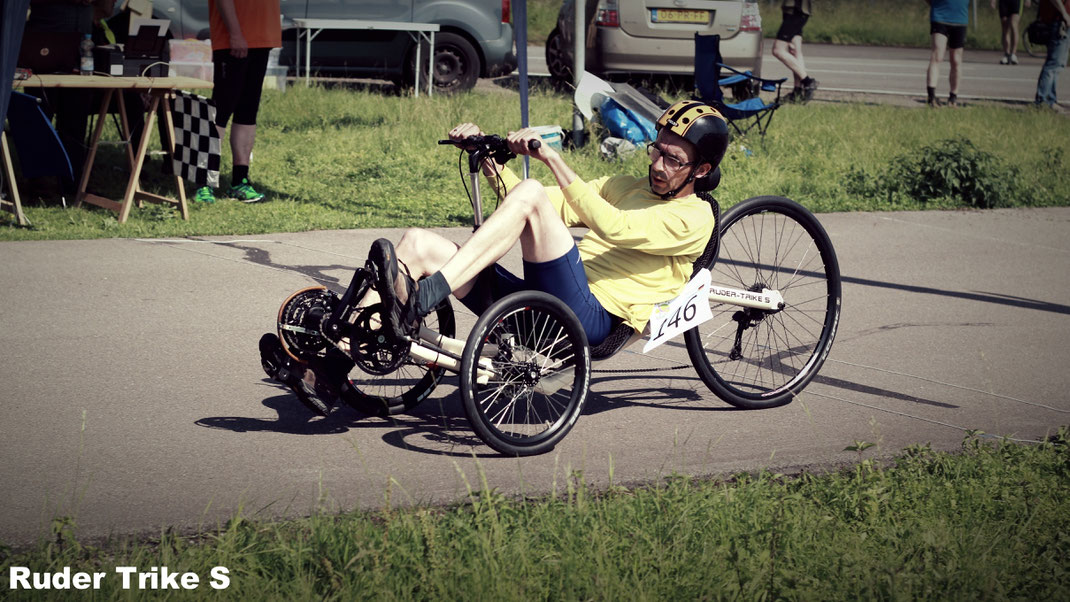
518, 143
238, 46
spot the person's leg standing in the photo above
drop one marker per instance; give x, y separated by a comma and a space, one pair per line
243, 131
936, 56
788, 50
955, 75
1053, 64
1015, 20
228, 74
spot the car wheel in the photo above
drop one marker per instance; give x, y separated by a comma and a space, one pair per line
558, 60
457, 64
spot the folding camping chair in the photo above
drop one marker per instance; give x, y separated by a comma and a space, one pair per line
743, 115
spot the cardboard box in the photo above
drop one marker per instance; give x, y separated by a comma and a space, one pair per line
203, 71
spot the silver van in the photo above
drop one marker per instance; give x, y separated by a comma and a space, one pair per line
656, 36
475, 39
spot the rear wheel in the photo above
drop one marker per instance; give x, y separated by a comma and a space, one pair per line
525, 373
755, 358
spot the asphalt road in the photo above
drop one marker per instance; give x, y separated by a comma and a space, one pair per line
133, 396
891, 72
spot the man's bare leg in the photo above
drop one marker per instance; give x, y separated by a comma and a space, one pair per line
526, 215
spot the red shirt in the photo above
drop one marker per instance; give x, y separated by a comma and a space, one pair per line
260, 23
1048, 13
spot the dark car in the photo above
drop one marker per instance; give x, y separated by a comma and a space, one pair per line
475, 37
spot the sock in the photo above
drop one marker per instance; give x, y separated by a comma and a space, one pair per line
952, 98
239, 173
932, 94
433, 289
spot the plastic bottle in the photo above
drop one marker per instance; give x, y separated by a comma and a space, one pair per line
85, 66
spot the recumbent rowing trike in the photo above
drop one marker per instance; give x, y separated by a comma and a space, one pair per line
773, 292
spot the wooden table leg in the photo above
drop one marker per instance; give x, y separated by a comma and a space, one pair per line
133, 186
9, 173
92, 152
169, 146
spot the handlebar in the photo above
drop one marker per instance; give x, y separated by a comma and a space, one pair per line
492, 146
480, 148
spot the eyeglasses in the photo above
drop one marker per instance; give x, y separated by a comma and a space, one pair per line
672, 164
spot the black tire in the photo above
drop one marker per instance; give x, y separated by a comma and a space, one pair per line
521, 334
408, 385
456, 66
558, 59
773, 242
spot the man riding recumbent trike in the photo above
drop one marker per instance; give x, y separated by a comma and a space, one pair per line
756, 292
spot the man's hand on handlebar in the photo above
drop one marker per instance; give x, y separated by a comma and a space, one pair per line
465, 130
528, 142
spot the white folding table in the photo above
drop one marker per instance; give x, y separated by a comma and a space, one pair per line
310, 28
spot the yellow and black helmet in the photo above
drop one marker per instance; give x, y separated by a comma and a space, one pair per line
701, 125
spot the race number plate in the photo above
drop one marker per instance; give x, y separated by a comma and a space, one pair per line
667, 15
684, 312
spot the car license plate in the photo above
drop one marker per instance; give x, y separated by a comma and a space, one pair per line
665, 15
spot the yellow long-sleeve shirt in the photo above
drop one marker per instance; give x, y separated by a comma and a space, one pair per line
640, 248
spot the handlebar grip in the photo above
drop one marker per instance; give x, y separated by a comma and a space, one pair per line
534, 144
445, 142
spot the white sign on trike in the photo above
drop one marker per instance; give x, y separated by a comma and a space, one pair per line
692, 307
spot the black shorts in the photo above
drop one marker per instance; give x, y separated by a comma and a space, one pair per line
563, 278
956, 34
791, 26
1010, 7
238, 83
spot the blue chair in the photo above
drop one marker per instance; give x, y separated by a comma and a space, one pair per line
36, 143
743, 115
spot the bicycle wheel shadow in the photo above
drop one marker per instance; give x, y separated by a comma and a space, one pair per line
437, 426
675, 393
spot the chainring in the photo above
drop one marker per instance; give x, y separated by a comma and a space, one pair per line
371, 347
299, 322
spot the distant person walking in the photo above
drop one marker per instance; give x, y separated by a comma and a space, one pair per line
243, 33
947, 27
788, 47
1009, 11
1056, 14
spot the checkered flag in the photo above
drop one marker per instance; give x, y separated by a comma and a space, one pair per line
197, 143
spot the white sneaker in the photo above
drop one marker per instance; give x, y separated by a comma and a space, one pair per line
1005, 60
1014, 59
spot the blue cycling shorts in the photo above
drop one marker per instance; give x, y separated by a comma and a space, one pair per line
563, 278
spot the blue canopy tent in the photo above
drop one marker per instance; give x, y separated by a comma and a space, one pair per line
12, 23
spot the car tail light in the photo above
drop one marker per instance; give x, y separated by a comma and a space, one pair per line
507, 11
608, 14
751, 19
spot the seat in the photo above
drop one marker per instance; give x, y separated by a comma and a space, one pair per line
744, 114
36, 142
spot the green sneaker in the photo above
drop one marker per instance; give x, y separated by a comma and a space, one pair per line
245, 193
204, 195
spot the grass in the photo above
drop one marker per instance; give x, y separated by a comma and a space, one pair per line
987, 523
333, 158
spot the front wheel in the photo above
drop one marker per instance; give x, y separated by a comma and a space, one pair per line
761, 359
525, 373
